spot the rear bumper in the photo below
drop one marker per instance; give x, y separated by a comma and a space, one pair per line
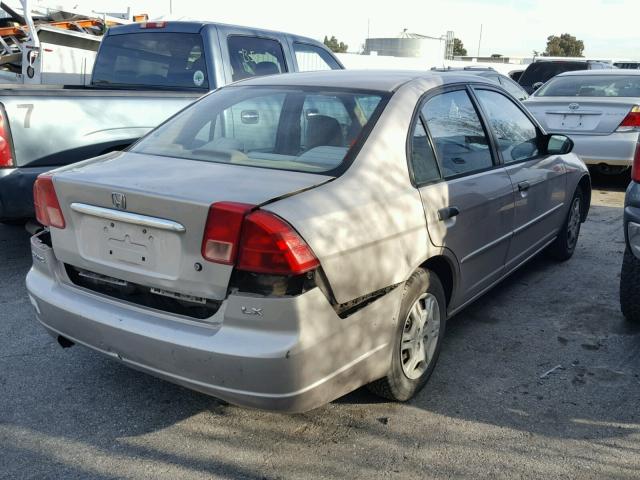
617, 149
297, 356
16, 191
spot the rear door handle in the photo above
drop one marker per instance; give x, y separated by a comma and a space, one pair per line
448, 212
523, 186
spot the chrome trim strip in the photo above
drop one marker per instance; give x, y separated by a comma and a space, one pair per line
127, 217
487, 247
452, 312
537, 219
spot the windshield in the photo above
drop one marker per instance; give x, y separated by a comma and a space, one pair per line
592, 86
301, 129
152, 59
543, 71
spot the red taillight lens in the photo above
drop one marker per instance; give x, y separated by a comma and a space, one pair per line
259, 241
270, 245
6, 154
632, 121
635, 169
153, 25
48, 211
222, 232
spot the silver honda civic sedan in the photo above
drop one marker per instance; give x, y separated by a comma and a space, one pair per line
288, 239
599, 110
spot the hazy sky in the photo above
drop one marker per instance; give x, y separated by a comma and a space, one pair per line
609, 28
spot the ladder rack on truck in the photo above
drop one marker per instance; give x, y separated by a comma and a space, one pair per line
47, 50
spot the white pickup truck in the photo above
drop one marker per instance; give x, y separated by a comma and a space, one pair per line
143, 74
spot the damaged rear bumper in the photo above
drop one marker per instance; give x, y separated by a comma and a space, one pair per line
297, 355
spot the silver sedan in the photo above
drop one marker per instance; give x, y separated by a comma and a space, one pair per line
599, 110
286, 240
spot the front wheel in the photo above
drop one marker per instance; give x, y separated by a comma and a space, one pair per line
418, 338
565, 243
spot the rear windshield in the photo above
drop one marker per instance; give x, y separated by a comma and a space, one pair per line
301, 129
592, 86
152, 59
543, 71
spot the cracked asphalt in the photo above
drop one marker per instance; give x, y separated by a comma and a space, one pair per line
538, 379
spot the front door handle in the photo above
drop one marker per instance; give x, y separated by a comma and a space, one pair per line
523, 186
448, 212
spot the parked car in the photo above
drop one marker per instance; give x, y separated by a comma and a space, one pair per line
489, 73
541, 71
252, 249
629, 65
515, 75
600, 110
143, 73
630, 274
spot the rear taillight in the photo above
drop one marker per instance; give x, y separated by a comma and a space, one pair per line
48, 211
222, 232
271, 245
254, 241
635, 169
631, 122
6, 154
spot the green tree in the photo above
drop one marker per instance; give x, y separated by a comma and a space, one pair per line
334, 45
458, 48
563, 46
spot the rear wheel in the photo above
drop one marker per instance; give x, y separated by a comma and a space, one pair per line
417, 340
630, 287
564, 245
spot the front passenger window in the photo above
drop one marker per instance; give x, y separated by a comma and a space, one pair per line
254, 57
516, 135
457, 133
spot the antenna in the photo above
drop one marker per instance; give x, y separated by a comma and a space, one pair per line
480, 40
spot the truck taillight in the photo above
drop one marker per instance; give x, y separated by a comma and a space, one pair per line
255, 241
635, 169
6, 152
631, 122
48, 211
147, 25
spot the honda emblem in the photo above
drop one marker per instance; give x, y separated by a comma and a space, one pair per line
119, 200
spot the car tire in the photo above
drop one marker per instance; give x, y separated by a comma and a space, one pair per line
630, 286
423, 293
565, 243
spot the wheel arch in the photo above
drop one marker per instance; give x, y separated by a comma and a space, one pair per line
444, 268
585, 186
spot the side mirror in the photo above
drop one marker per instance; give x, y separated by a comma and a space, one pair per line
559, 144
537, 85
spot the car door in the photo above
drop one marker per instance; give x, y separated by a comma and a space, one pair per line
538, 179
467, 197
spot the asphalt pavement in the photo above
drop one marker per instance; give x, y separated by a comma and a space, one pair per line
538, 379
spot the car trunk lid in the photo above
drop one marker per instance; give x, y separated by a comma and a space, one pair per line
579, 115
141, 218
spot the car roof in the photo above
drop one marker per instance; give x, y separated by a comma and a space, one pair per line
612, 71
379, 80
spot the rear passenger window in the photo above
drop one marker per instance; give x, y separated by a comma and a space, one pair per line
423, 161
458, 136
517, 136
254, 57
312, 58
